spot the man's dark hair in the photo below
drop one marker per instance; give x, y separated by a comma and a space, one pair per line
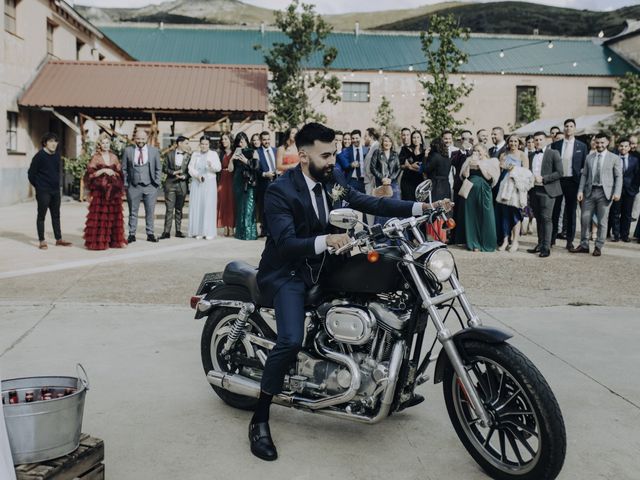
338, 132
481, 130
373, 133
204, 137
528, 137
445, 133
49, 136
356, 132
265, 132
569, 120
181, 138
556, 127
313, 131
602, 135
537, 134
405, 129
624, 139
498, 128
466, 131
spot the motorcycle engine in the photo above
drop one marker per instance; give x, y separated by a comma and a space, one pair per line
352, 324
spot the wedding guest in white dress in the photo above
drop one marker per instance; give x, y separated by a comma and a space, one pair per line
203, 198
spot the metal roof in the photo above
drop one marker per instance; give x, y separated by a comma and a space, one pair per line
141, 86
374, 51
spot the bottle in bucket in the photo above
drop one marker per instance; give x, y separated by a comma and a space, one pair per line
43, 393
69, 391
28, 397
13, 397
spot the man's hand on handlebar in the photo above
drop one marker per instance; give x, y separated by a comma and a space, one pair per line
446, 205
337, 241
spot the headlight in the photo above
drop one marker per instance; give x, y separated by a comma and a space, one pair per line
441, 263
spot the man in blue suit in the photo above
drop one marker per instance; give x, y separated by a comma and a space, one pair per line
621, 210
573, 153
351, 161
295, 257
268, 173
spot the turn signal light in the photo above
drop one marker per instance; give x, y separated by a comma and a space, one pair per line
373, 256
451, 223
194, 301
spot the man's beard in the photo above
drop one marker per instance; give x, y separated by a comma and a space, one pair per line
322, 175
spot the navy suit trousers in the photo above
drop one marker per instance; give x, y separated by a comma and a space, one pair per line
289, 307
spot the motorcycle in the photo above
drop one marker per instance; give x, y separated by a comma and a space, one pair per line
366, 347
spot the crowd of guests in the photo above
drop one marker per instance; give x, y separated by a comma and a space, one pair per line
499, 185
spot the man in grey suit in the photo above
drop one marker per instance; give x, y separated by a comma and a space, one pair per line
601, 182
547, 171
175, 186
142, 171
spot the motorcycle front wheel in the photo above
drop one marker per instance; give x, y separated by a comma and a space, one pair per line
527, 438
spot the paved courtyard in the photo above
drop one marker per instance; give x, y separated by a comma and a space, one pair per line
124, 315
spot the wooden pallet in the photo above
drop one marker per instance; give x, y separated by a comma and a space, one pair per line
84, 463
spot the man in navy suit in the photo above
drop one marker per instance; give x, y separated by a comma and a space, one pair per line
295, 257
621, 210
499, 144
268, 173
351, 161
573, 153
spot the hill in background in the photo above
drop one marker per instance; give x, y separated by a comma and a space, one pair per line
493, 17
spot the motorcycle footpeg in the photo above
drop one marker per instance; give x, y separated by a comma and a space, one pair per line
416, 399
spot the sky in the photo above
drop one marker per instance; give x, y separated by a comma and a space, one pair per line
340, 6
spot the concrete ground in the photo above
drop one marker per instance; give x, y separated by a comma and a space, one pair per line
123, 314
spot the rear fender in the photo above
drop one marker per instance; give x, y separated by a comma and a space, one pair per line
481, 334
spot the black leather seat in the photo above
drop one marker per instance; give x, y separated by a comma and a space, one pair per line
242, 274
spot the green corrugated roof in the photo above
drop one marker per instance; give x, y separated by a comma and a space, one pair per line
372, 51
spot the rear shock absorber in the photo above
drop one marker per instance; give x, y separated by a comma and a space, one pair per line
238, 327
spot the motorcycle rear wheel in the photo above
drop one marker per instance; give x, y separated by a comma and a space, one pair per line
214, 335
527, 439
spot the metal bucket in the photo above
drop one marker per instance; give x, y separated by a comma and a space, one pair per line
44, 429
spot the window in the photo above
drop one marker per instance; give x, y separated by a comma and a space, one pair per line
355, 91
12, 131
79, 45
599, 96
10, 15
50, 28
524, 97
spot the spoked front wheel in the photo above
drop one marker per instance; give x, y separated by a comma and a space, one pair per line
527, 438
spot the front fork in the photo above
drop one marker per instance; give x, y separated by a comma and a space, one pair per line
446, 338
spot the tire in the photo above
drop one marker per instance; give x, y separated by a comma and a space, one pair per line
522, 406
212, 341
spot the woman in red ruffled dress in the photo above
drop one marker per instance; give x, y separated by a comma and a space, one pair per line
105, 221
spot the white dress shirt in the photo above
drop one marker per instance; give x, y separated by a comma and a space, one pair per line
536, 165
354, 174
567, 156
145, 155
179, 158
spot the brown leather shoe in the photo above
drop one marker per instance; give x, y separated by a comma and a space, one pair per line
63, 243
579, 249
597, 252
43, 246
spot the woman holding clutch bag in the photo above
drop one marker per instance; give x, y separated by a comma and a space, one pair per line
436, 168
385, 168
481, 173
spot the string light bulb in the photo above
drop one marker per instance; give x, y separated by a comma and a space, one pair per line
411, 68
601, 34
550, 45
609, 59
501, 53
380, 72
575, 64
542, 69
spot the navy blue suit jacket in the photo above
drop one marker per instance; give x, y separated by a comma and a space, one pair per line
293, 227
580, 152
262, 159
345, 158
631, 176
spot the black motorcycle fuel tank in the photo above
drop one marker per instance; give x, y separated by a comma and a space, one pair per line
356, 274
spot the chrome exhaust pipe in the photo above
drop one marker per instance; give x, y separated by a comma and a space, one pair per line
394, 371
234, 383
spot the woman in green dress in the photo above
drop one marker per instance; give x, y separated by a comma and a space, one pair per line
245, 166
479, 218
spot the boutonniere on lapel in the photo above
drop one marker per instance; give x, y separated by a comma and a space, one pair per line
337, 192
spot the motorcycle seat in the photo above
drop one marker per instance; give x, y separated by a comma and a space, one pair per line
245, 275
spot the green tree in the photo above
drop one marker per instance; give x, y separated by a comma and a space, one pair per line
385, 118
628, 105
528, 108
443, 99
291, 80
